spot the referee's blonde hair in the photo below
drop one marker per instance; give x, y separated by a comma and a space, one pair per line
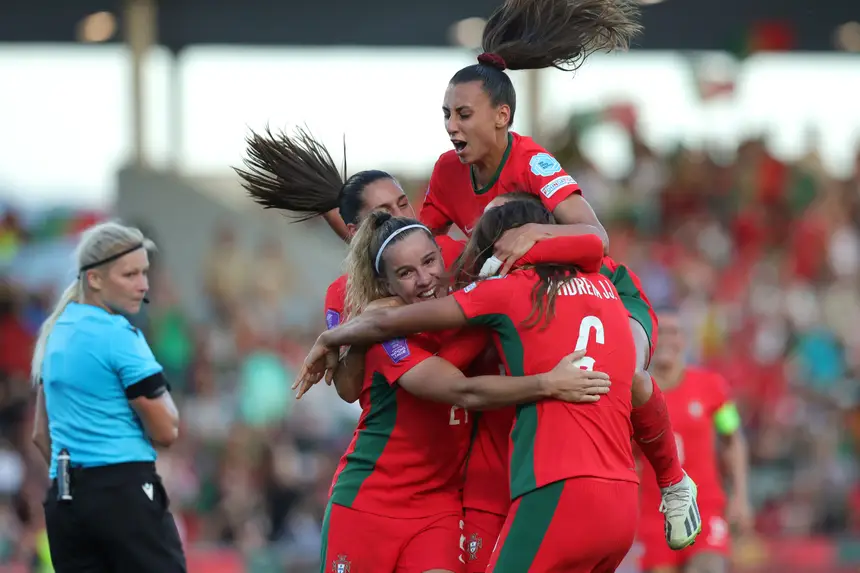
97, 243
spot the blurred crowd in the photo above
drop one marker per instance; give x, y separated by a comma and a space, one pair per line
761, 256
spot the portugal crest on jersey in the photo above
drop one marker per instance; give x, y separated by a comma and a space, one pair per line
475, 543
544, 165
341, 565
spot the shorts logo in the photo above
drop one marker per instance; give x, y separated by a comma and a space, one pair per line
341, 565
332, 318
544, 165
475, 543
397, 349
550, 188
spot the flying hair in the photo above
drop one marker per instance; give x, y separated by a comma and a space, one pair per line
536, 34
294, 173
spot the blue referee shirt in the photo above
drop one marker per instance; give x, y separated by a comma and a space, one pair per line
91, 358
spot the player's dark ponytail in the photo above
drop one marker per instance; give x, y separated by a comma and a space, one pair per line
364, 284
491, 226
297, 174
537, 34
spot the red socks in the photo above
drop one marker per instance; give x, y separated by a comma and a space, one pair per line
652, 430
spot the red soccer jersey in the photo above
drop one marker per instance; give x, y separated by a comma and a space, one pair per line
526, 166
335, 295
487, 486
552, 440
692, 405
407, 456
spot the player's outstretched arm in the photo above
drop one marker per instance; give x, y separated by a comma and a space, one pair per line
438, 380
372, 327
387, 323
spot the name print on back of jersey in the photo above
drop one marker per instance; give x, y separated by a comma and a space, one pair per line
599, 288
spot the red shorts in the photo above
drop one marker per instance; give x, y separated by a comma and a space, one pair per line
480, 533
579, 525
714, 538
359, 541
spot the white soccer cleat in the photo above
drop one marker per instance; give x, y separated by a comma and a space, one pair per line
683, 522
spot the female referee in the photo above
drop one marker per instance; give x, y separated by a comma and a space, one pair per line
102, 404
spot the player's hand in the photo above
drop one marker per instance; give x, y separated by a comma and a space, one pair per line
739, 514
387, 302
514, 244
570, 383
320, 361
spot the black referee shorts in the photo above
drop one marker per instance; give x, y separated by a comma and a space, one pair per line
117, 522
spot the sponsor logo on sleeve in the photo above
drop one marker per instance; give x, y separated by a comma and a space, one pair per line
550, 188
544, 165
332, 318
397, 349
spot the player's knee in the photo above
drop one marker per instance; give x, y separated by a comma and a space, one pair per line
707, 563
643, 387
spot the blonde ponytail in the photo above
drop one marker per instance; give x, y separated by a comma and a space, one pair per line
98, 243
73, 293
362, 284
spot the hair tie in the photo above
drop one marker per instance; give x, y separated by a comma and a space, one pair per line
492, 60
391, 237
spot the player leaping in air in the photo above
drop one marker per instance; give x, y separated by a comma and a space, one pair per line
489, 160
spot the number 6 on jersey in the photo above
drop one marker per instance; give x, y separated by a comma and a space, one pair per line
585, 327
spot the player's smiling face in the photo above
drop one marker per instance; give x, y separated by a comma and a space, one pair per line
472, 121
414, 270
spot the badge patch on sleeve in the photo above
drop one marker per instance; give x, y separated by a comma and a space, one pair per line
397, 349
332, 318
544, 165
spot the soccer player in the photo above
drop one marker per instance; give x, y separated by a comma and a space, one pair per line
296, 173
573, 484
703, 416
395, 502
489, 160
